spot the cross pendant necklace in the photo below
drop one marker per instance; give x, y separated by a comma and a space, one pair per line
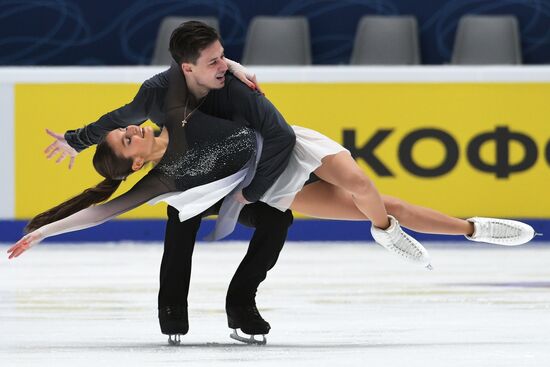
185, 115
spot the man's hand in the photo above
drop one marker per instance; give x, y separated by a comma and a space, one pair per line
25, 243
61, 147
240, 198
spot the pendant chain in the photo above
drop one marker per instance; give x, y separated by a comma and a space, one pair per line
185, 115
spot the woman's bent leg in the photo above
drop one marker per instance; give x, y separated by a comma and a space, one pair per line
326, 201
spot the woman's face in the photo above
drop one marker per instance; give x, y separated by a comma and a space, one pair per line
132, 142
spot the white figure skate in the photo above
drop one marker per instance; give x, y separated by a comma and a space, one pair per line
395, 240
501, 231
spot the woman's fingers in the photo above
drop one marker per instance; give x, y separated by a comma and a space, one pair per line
50, 147
53, 152
24, 244
253, 79
52, 134
61, 157
244, 78
21, 246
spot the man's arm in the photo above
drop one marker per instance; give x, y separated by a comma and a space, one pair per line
278, 136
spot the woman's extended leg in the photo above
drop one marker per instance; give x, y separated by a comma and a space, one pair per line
342, 171
324, 200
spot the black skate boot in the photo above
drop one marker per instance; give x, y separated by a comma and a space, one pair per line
174, 322
248, 319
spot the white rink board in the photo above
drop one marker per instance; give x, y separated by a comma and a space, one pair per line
290, 74
328, 305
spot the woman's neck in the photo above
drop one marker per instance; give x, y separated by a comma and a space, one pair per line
159, 147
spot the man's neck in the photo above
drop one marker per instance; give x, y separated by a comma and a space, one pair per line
196, 90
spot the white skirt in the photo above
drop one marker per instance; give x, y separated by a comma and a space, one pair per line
310, 148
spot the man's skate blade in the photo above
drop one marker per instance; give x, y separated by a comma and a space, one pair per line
250, 340
174, 339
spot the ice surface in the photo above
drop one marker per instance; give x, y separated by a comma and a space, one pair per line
332, 304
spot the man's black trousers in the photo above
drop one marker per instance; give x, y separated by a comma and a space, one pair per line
269, 236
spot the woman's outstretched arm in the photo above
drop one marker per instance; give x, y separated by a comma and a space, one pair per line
146, 189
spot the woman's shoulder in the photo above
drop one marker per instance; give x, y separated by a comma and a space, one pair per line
157, 177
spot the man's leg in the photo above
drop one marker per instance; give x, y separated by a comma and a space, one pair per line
268, 240
175, 272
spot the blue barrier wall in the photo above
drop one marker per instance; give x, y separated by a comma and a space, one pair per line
301, 230
96, 32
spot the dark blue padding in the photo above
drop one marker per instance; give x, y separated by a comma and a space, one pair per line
302, 230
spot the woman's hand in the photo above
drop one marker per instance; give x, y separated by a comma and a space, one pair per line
25, 243
243, 74
248, 78
60, 147
241, 199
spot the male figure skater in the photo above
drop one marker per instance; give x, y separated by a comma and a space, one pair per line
198, 53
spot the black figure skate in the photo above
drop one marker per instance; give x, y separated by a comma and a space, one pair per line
248, 319
174, 322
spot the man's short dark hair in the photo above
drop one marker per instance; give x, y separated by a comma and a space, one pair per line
189, 39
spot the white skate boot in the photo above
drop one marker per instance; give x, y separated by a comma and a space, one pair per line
500, 231
395, 240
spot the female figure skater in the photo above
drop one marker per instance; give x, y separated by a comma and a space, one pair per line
200, 159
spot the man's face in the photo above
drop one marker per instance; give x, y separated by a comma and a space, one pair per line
209, 70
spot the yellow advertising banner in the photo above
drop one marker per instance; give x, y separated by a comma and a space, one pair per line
462, 148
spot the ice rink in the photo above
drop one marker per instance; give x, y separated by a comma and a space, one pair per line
333, 304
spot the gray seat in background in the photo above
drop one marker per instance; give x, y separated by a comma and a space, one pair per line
486, 40
386, 40
161, 55
277, 41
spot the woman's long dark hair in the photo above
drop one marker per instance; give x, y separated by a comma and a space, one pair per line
113, 168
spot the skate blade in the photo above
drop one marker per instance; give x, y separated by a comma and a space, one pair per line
174, 339
251, 340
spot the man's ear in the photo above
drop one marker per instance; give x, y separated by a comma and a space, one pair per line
186, 67
138, 164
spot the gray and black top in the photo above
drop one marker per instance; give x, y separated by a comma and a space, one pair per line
206, 150
235, 102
